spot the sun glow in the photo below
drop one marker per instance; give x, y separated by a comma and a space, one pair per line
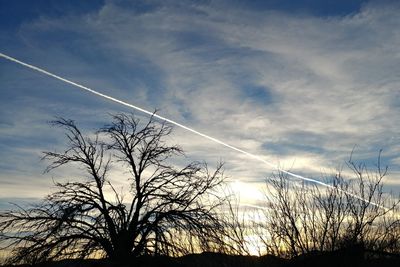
254, 245
246, 191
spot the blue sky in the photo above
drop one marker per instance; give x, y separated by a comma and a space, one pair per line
300, 83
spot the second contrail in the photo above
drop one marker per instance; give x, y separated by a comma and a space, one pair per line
256, 157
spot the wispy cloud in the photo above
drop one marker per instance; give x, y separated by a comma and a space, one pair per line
297, 88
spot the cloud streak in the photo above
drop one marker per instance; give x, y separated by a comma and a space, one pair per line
215, 140
299, 88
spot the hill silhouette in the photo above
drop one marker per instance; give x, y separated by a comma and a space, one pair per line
343, 258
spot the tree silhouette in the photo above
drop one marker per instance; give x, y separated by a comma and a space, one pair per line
163, 205
304, 218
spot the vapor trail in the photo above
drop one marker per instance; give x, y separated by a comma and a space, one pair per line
250, 155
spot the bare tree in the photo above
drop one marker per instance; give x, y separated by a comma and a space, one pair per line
90, 216
353, 212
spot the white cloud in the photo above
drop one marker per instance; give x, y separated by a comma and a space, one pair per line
330, 83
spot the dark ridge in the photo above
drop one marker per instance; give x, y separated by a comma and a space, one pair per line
342, 258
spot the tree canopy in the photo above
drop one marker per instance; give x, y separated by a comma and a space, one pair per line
162, 209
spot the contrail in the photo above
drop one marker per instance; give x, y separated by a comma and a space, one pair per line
250, 155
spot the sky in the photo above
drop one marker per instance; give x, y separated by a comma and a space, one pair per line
300, 83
